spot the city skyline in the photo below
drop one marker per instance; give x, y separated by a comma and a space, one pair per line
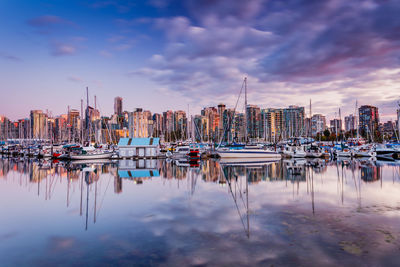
216, 123
164, 55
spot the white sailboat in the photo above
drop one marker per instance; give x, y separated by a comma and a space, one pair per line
94, 155
247, 152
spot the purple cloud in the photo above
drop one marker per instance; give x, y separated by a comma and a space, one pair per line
60, 49
75, 79
10, 57
47, 21
289, 51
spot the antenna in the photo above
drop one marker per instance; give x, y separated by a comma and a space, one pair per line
245, 109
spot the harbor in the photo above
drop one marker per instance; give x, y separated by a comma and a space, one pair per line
172, 212
200, 133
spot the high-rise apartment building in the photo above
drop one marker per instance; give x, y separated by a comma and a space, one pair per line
157, 125
211, 113
221, 109
336, 126
318, 124
38, 124
180, 123
294, 121
168, 122
138, 123
350, 123
253, 124
368, 119
118, 106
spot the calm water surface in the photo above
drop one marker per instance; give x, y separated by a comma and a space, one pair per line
156, 212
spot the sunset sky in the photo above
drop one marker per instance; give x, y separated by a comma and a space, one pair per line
166, 54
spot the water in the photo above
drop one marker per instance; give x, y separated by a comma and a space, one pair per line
169, 213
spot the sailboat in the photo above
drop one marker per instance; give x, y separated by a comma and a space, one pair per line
90, 152
243, 152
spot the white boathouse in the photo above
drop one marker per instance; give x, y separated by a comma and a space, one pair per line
139, 147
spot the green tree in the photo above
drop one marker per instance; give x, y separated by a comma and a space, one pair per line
327, 133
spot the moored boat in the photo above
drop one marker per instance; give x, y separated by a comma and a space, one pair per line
89, 156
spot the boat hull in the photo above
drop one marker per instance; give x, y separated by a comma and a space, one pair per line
107, 155
247, 161
244, 153
298, 154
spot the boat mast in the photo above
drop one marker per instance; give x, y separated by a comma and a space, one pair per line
310, 130
355, 113
398, 122
340, 126
95, 123
82, 122
87, 115
245, 109
69, 127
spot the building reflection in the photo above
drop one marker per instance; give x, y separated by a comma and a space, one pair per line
83, 180
209, 171
370, 172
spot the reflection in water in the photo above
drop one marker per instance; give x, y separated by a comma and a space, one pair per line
46, 174
269, 199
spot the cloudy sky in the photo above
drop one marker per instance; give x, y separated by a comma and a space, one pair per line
166, 54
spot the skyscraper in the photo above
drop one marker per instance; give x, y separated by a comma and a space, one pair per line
211, 113
369, 119
349, 123
336, 126
272, 124
221, 109
168, 124
38, 124
318, 124
180, 122
253, 114
294, 121
73, 125
157, 125
4, 123
118, 106
138, 123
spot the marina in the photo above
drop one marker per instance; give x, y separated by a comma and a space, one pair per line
200, 133
162, 212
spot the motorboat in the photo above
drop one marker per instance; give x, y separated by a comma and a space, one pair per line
92, 155
386, 153
345, 152
295, 151
363, 151
179, 152
314, 152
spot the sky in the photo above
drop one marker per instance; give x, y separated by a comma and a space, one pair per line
170, 55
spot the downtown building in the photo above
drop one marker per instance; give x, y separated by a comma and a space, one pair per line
39, 126
180, 125
138, 122
254, 125
73, 126
168, 125
350, 123
293, 118
272, 124
336, 126
118, 106
368, 120
4, 128
212, 123
157, 125
318, 124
